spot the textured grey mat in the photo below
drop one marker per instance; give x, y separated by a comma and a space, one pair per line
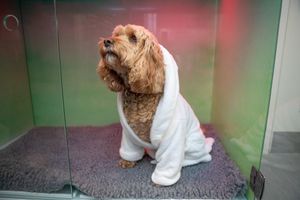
38, 162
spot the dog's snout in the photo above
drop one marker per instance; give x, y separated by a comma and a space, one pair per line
107, 43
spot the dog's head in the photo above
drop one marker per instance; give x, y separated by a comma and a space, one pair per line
135, 55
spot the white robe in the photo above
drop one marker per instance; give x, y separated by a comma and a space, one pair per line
176, 137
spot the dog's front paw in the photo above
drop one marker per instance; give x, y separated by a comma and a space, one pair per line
126, 164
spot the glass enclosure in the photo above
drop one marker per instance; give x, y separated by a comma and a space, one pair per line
56, 115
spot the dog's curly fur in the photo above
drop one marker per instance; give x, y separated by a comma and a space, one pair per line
132, 63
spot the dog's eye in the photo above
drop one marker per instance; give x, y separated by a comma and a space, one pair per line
133, 39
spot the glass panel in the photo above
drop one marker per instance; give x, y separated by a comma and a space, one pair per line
186, 29
33, 150
281, 160
246, 44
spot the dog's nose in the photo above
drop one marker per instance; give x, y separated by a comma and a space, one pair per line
107, 43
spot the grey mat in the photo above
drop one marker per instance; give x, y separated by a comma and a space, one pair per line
37, 162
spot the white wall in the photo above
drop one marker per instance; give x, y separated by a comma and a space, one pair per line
287, 106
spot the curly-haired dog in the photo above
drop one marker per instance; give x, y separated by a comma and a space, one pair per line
155, 117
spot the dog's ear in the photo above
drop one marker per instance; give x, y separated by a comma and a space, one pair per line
147, 73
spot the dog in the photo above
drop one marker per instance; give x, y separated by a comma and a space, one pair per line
155, 117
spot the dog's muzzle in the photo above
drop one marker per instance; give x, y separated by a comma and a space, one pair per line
108, 43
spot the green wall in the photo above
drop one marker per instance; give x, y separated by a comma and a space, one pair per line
43, 61
247, 35
187, 30
15, 102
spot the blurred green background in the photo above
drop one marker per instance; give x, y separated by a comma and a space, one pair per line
187, 30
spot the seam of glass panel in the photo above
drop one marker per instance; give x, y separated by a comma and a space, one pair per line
62, 92
26, 60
